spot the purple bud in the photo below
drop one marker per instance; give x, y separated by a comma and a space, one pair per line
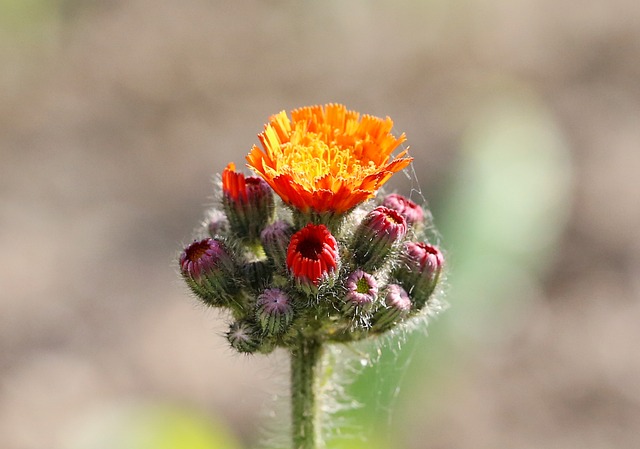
397, 298
362, 291
216, 223
243, 337
397, 305
378, 235
208, 269
411, 211
275, 240
274, 311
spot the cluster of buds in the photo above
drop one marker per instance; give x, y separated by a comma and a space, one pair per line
353, 269
341, 281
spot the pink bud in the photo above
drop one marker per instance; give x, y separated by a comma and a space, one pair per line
411, 211
378, 235
362, 291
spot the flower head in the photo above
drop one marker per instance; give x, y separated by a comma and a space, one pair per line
312, 255
327, 159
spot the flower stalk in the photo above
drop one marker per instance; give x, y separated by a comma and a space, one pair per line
327, 263
305, 403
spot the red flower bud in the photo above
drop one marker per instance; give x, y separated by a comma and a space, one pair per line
247, 201
312, 255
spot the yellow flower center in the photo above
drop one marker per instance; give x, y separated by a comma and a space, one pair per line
309, 161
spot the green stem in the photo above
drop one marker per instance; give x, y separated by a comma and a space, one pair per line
305, 363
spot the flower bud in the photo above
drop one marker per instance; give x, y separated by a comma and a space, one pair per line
396, 307
216, 223
312, 256
362, 291
247, 201
380, 232
257, 274
208, 268
244, 336
275, 240
411, 211
420, 270
274, 311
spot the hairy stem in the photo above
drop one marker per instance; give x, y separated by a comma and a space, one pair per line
305, 363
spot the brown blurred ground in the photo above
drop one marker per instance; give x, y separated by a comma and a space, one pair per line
115, 115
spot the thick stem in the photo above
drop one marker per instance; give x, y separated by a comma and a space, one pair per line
305, 362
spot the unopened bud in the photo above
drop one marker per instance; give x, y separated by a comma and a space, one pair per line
244, 336
216, 223
312, 256
396, 307
208, 269
378, 235
275, 240
247, 201
411, 211
257, 274
274, 311
420, 270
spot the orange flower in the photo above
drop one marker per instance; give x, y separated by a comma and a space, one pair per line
234, 184
327, 159
247, 202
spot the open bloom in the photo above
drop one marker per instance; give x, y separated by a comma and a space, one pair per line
327, 159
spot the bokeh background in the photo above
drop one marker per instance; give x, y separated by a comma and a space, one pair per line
524, 121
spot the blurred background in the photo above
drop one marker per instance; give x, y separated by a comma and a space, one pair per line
522, 116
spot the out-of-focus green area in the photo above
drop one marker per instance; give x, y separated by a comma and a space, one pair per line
522, 119
501, 217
